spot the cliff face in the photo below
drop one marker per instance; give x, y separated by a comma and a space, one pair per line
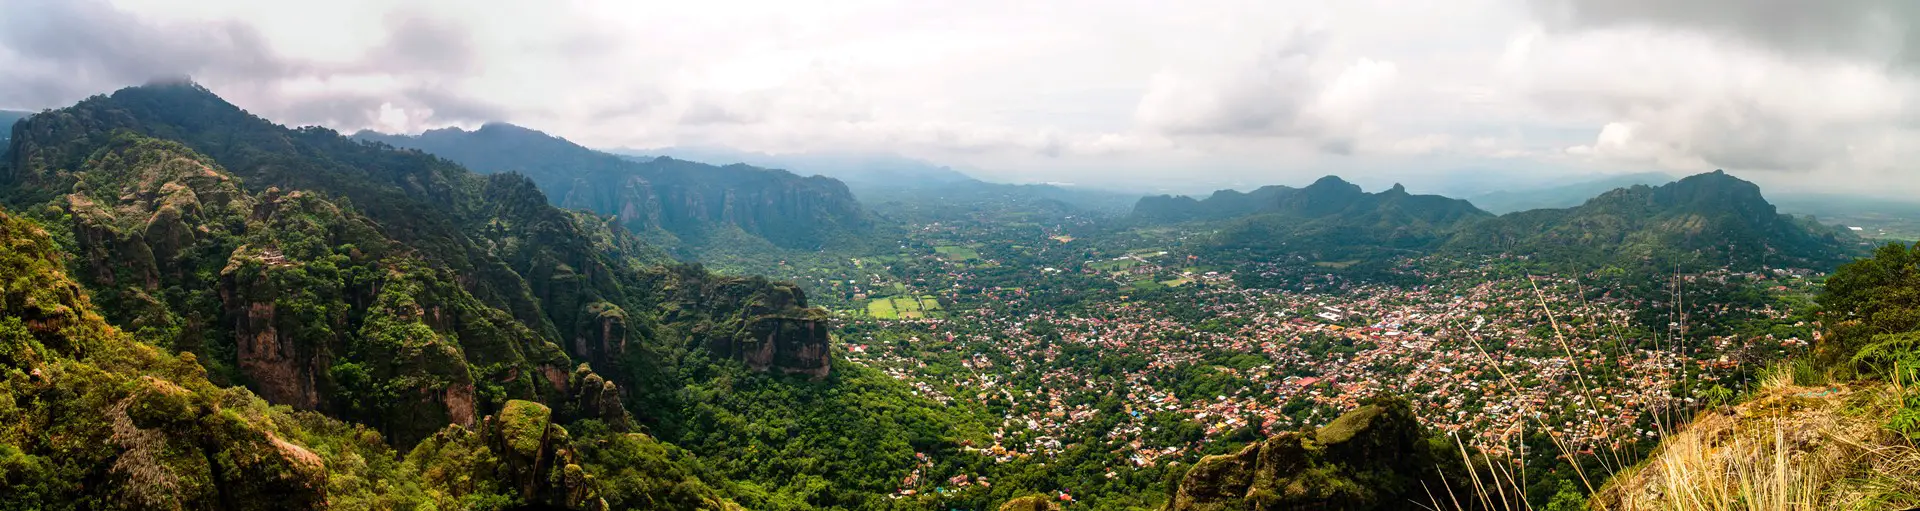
685, 200
391, 287
85, 402
315, 307
767, 325
1375, 457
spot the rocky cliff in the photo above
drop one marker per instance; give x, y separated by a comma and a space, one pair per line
768, 325
684, 200
234, 259
383, 286
1374, 457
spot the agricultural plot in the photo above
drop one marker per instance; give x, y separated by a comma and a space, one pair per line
957, 253
903, 307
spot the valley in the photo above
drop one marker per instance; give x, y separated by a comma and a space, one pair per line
502, 319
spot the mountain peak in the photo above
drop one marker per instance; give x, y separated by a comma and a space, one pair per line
1397, 189
1329, 181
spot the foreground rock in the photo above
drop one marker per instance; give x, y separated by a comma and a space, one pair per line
1375, 457
1789, 447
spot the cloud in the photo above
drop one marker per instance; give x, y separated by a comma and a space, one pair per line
1672, 86
67, 50
1876, 30
1071, 90
1294, 87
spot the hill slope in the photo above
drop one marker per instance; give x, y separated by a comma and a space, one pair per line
1562, 196
94, 419
1706, 219
350, 280
1329, 219
856, 169
686, 200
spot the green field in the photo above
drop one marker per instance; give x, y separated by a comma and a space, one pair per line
1114, 264
903, 307
1337, 265
956, 252
1176, 282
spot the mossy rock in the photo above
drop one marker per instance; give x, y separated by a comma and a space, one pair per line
1030, 503
523, 427
159, 404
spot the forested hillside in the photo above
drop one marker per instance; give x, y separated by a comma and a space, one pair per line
1707, 220
444, 310
675, 201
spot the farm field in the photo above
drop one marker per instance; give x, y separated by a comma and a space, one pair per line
957, 252
903, 307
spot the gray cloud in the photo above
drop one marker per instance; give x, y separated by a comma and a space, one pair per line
420, 43
67, 50
350, 110
1879, 30
1267, 94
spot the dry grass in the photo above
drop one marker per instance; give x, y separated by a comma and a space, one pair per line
1787, 448
1795, 444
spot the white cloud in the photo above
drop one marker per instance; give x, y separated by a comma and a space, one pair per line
1216, 91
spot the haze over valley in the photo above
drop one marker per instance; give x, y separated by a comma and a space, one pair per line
1499, 255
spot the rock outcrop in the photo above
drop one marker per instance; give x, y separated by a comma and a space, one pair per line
1030, 503
522, 448
766, 325
95, 420
593, 397
1374, 457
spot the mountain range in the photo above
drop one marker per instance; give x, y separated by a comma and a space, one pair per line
894, 183
1709, 219
1562, 195
674, 202
445, 310
1330, 219
1706, 219
854, 168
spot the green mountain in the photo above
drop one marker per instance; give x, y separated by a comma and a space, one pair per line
675, 202
1329, 220
445, 310
856, 169
1708, 219
1562, 196
1328, 197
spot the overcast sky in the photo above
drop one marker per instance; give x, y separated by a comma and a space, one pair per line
1189, 94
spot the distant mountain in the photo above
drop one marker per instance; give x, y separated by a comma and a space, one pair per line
1703, 220
856, 169
1561, 196
1328, 197
891, 183
1330, 219
688, 201
7, 118
1709, 219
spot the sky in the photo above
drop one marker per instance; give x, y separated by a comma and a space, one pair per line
1149, 95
